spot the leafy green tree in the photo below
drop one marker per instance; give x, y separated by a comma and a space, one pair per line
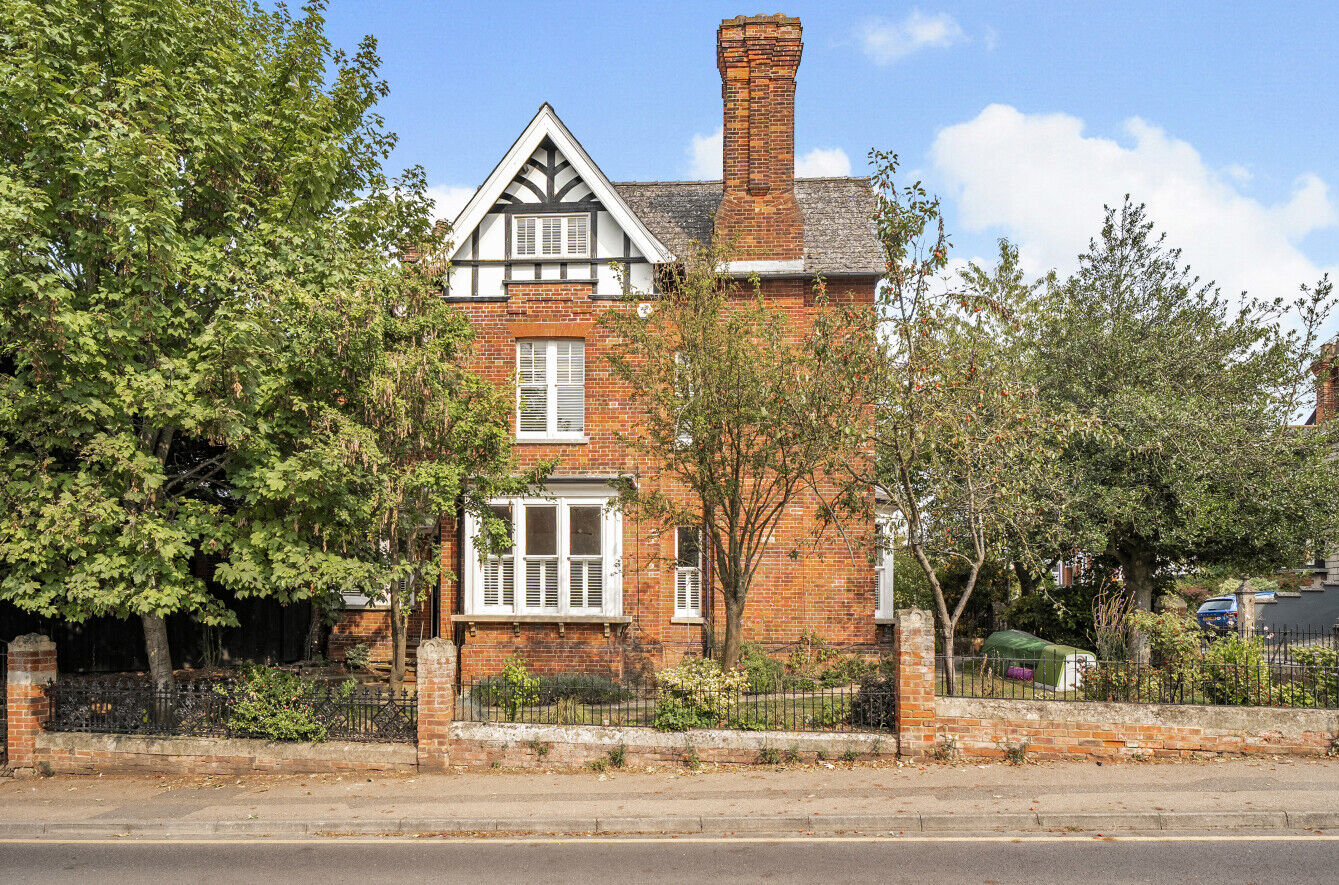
963, 445
742, 409
1197, 465
199, 317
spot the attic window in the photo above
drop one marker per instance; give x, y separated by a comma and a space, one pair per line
552, 236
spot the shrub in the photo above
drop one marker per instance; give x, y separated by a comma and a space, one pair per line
273, 704
1235, 672
1326, 660
875, 704
519, 688
701, 686
358, 656
765, 673
793, 754
580, 687
833, 713
752, 720
769, 756
618, 757
672, 714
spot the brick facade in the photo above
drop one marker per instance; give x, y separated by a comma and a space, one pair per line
830, 588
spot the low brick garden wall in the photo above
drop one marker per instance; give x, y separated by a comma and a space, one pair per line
510, 745
74, 753
982, 728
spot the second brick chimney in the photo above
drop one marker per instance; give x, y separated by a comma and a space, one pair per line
758, 57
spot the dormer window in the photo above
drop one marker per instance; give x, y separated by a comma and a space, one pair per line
552, 236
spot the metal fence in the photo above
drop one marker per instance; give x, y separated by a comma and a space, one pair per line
219, 708
4, 702
1280, 642
585, 700
1201, 682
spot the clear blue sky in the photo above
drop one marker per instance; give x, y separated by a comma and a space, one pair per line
1026, 116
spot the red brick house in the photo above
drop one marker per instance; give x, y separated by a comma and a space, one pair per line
534, 264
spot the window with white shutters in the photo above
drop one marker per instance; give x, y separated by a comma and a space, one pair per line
541, 557
552, 236
564, 559
550, 389
499, 572
525, 236
883, 570
687, 572
585, 572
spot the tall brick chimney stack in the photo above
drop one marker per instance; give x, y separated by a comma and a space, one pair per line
1326, 369
758, 57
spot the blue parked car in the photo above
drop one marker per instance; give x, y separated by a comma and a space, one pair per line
1220, 613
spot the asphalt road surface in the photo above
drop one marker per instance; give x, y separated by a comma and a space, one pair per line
1032, 859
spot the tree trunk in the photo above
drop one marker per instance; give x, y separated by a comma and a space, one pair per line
399, 630
1137, 566
159, 652
313, 642
950, 662
734, 611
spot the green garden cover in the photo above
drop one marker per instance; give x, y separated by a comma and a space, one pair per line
1052, 666
1008, 648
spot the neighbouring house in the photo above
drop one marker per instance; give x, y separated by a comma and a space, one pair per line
587, 587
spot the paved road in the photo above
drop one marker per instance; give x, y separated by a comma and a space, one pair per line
1030, 859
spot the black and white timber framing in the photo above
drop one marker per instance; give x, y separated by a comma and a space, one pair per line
547, 173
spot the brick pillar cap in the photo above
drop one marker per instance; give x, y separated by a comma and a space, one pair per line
32, 642
436, 651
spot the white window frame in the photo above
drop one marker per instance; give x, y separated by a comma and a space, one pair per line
552, 391
564, 225
611, 551
689, 573
884, 602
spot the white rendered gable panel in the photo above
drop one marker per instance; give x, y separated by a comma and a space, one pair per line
546, 124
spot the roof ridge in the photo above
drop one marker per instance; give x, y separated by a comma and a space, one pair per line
718, 181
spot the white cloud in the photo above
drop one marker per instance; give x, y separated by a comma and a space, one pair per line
887, 41
704, 156
704, 160
1041, 180
823, 163
449, 199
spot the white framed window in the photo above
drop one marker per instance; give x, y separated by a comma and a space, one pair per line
551, 389
564, 559
883, 568
552, 236
687, 572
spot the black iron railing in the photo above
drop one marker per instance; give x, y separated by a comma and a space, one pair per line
1269, 684
602, 701
217, 708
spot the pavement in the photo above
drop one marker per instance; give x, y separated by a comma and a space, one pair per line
1262, 794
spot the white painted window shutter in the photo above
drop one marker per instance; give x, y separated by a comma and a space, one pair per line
525, 236
570, 386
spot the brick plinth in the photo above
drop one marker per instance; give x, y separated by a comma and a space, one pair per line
436, 702
914, 662
32, 664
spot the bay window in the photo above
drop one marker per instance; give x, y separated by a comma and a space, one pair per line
564, 559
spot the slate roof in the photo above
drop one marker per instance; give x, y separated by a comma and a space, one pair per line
838, 226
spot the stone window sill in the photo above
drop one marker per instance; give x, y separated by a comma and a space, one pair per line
689, 621
471, 621
552, 440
